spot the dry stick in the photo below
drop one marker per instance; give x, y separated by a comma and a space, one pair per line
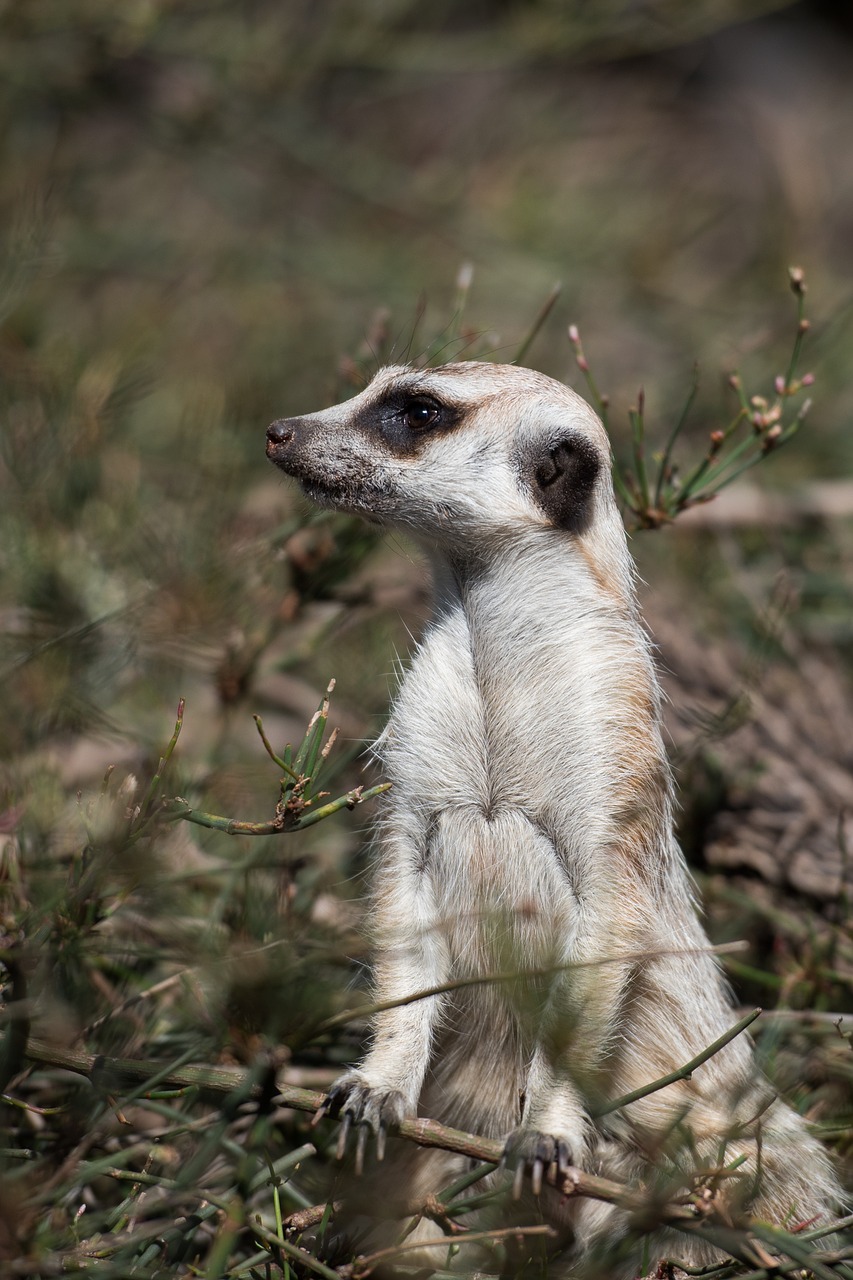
426, 1133
303, 1219
213, 1079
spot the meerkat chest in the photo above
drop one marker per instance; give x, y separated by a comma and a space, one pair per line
498, 885
435, 747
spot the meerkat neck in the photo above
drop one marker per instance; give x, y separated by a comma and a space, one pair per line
542, 590
569, 696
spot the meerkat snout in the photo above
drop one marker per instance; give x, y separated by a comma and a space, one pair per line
279, 433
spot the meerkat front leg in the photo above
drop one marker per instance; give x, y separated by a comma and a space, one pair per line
577, 1027
411, 958
552, 1135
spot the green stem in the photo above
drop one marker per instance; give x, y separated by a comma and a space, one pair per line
717, 467
164, 760
675, 433
259, 725
306, 757
622, 489
512, 975
715, 482
683, 1073
464, 280
349, 801
467, 1180
542, 315
638, 432
798, 341
283, 825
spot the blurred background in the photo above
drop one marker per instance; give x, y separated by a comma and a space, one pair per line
217, 214
207, 205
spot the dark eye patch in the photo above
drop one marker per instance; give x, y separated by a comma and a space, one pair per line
421, 412
407, 418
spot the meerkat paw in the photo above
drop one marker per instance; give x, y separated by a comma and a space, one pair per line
370, 1109
542, 1155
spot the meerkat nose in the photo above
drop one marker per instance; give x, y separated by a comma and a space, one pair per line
280, 432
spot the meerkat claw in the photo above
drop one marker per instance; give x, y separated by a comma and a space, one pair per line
343, 1134
361, 1145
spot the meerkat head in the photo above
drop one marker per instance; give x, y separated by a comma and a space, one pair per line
454, 454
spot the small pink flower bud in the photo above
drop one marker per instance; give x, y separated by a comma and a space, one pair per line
574, 335
780, 385
583, 364
807, 380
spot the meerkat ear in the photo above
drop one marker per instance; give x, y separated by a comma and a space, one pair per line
563, 477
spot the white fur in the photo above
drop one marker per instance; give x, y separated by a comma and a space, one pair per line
530, 821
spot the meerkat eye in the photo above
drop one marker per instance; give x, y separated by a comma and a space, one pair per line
420, 413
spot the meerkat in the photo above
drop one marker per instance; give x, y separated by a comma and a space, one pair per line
529, 829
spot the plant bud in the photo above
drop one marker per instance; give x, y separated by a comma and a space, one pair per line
464, 277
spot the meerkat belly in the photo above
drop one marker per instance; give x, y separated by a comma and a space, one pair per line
503, 898
507, 916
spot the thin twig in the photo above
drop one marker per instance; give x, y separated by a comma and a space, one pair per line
540, 318
281, 824
164, 760
513, 975
683, 1073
